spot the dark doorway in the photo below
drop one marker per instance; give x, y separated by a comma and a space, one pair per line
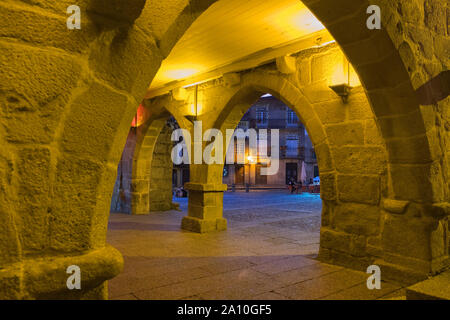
260, 179
291, 172
186, 176
239, 174
316, 171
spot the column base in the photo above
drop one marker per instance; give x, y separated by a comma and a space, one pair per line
203, 226
45, 278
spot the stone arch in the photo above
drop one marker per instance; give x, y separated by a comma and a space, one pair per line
336, 178
151, 176
253, 86
82, 90
389, 89
413, 212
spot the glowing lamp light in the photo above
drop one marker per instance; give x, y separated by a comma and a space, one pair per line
340, 80
251, 160
139, 118
196, 108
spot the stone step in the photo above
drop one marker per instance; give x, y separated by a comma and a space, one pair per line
435, 288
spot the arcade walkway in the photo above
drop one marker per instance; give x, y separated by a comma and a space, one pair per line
267, 253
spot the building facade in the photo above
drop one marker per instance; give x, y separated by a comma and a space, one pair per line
297, 157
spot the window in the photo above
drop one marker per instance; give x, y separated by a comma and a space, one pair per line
292, 146
262, 115
292, 118
240, 149
244, 125
262, 144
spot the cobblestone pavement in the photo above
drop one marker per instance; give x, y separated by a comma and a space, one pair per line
268, 252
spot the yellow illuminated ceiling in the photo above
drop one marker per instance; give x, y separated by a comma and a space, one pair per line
231, 30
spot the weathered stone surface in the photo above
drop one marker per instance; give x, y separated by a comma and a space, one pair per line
286, 64
316, 131
364, 160
203, 226
323, 66
359, 219
118, 10
395, 206
346, 134
48, 279
361, 189
319, 92
372, 134
117, 56
71, 213
83, 134
328, 186
358, 107
331, 111
324, 157
409, 150
36, 87
414, 243
304, 72
343, 242
34, 198
410, 177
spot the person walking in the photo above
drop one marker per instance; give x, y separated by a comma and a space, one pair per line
291, 185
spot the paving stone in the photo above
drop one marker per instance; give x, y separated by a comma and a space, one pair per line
361, 292
323, 286
260, 257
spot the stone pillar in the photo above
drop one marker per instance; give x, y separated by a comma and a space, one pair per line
140, 197
179, 178
205, 213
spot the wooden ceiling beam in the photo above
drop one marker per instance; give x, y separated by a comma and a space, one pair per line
251, 61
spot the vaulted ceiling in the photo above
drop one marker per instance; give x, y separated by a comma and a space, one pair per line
231, 30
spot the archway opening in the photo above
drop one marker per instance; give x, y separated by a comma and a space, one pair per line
344, 228
146, 175
273, 193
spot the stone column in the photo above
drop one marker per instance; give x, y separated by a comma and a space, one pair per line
179, 178
140, 196
205, 213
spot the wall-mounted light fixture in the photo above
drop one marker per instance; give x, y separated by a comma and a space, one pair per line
341, 84
342, 90
193, 117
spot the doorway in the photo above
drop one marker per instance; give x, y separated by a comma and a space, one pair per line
291, 172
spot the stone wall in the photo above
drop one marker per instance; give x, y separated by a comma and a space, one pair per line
151, 191
396, 65
160, 195
121, 198
67, 100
